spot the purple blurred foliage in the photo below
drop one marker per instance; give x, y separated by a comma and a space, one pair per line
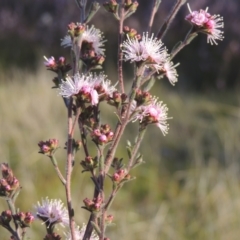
30, 29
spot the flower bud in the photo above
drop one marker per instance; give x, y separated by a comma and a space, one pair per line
48, 147
111, 6
52, 236
5, 217
109, 219
89, 163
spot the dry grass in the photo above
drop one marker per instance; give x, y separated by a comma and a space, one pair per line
188, 189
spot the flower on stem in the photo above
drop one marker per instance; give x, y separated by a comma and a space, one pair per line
103, 87
79, 234
92, 39
111, 6
81, 86
102, 135
90, 88
119, 175
9, 184
57, 65
89, 163
5, 218
149, 50
131, 32
109, 219
206, 23
153, 113
50, 62
130, 6
169, 70
48, 147
51, 212
24, 219
93, 205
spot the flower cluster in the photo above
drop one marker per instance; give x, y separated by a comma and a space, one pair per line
87, 88
93, 205
206, 23
8, 183
102, 135
24, 219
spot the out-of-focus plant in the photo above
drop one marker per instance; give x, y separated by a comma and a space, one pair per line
83, 90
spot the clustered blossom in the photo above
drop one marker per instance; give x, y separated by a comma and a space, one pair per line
207, 23
151, 51
92, 36
79, 234
102, 135
89, 88
52, 211
153, 113
8, 183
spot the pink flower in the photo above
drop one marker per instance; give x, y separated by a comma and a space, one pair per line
153, 113
207, 24
49, 62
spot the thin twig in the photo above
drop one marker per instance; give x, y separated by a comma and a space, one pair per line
124, 121
54, 162
153, 13
135, 148
190, 36
83, 4
120, 53
169, 19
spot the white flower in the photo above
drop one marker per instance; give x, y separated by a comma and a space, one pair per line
149, 50
52, 211
170, 71
94, 36
91, 35
79, 233
71, 86
207, 23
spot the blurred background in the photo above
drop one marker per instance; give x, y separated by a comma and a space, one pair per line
189, 186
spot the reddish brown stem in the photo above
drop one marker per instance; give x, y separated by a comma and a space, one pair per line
69, 171
120, 53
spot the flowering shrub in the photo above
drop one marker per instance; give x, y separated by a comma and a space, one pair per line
83, 90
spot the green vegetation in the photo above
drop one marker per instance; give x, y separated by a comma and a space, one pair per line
187, 189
